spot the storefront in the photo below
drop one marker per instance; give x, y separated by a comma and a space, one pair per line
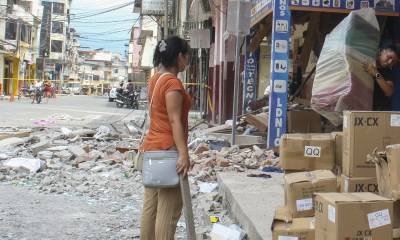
299, 31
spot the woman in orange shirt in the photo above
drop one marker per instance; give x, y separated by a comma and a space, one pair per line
168, 130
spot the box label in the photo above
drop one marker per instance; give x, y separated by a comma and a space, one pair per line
312, 151
304, 204
287, 238
395, 120
331, 213
379, 219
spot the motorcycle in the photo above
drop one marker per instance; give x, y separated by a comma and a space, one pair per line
128, 99
37, 95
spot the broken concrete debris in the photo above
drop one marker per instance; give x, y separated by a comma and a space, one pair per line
98, 163
31, 164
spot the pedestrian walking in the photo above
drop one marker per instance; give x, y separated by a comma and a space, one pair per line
169, 109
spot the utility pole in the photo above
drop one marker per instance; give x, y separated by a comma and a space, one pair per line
166, 20
237, 78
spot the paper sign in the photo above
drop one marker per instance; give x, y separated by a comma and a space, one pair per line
287, 238
304, 204
379, 219
331, 213
312, 151
395, 120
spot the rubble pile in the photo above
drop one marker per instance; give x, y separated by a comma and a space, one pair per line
97, 164
208, 162
62, 160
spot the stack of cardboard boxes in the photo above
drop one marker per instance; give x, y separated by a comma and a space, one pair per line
345, 206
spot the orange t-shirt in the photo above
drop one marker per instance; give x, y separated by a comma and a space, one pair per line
160, 135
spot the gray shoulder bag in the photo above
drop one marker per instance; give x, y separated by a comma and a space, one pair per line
159, 167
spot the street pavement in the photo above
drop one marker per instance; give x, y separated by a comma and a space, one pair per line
63, 111
100, 205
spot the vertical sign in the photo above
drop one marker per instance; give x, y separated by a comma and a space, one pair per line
250, 78
279, 72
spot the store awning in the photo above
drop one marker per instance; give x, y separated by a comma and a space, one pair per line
259, 11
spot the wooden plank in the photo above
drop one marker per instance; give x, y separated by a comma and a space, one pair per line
241, 140
219, 128
311, 34
260, 121
4, 135
187, 208
264, 29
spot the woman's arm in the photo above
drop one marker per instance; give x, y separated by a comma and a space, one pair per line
174, 101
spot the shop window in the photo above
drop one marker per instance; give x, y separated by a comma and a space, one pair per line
58, 27
58, 9
26, 33
57, 46
11, 30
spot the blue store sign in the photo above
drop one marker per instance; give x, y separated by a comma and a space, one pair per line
379, 5
250, 78
279, 72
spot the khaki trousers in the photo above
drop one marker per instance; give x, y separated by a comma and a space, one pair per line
161, 212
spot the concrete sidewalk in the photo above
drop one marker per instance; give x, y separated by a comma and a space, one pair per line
252, 201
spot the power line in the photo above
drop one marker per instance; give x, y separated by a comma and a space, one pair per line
114, 21
107, 11
100, 10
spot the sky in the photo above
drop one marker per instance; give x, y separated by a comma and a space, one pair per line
98, 31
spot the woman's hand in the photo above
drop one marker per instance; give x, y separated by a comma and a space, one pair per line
183, 164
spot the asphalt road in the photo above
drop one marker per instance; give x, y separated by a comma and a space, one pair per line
62, 111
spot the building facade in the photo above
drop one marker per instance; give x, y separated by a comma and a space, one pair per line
100, 70
54, 40
19, 43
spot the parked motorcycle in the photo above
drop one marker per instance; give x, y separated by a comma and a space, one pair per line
128, 99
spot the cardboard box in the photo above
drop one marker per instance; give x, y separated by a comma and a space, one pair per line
304, 121
396, 214
363, 132
300, 188
388, 171
338, 136
307, 152
348, 184
353, 216
393, 157
284, 227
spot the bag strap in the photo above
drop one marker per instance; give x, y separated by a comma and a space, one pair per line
151, 103
154, 90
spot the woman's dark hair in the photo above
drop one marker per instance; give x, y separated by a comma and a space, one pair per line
167, 51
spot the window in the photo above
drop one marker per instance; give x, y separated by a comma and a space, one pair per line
57, 46
116, 70
96, 77
11, 30
94, 68
58, 9
58, 27
26, 33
